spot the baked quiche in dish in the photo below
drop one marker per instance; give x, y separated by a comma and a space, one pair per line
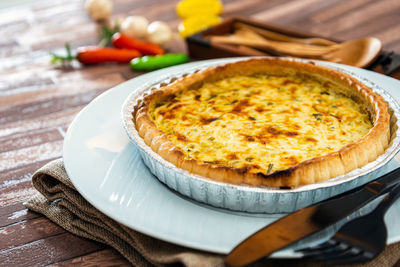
265, 122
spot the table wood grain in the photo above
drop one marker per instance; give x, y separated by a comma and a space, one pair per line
39, 101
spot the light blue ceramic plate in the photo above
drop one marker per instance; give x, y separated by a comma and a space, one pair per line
107, 170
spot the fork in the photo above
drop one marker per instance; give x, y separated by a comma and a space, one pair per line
359, 240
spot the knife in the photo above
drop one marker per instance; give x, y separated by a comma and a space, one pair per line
308, 221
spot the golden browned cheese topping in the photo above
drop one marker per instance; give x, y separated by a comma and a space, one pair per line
262, 123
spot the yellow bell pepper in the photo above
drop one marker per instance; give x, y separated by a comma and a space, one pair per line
194, 24
189, 8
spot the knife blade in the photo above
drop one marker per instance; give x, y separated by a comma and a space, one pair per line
308, 221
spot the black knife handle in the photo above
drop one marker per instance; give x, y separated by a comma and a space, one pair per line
388, 180
335, 209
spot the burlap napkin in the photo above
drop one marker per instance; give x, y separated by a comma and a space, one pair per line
60, 202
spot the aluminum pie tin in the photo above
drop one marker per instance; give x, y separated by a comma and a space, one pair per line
246, 198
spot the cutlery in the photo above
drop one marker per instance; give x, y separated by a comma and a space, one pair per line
359, 240
308, 221
251, 39
358, 53
281, 37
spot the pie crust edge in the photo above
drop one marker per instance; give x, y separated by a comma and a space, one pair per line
317, 169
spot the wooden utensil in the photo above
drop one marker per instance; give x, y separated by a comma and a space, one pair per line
254, 40
284, 38
359, 53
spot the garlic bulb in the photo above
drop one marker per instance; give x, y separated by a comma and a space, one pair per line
134, 26
99, 9
159, 33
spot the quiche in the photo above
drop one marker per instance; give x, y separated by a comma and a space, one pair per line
265, 122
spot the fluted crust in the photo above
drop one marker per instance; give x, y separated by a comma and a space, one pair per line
317, 169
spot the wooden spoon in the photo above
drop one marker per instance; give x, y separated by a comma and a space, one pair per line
359, 53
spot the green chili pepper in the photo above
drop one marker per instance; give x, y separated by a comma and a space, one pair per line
148, 63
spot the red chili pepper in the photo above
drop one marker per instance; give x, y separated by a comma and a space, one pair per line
123, 41
93, 55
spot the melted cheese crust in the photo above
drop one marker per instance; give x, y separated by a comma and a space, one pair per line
259, 122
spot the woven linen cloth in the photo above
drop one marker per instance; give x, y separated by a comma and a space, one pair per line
58, 200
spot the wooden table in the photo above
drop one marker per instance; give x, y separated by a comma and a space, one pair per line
38, 101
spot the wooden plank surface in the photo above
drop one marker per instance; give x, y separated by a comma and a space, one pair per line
39, 101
